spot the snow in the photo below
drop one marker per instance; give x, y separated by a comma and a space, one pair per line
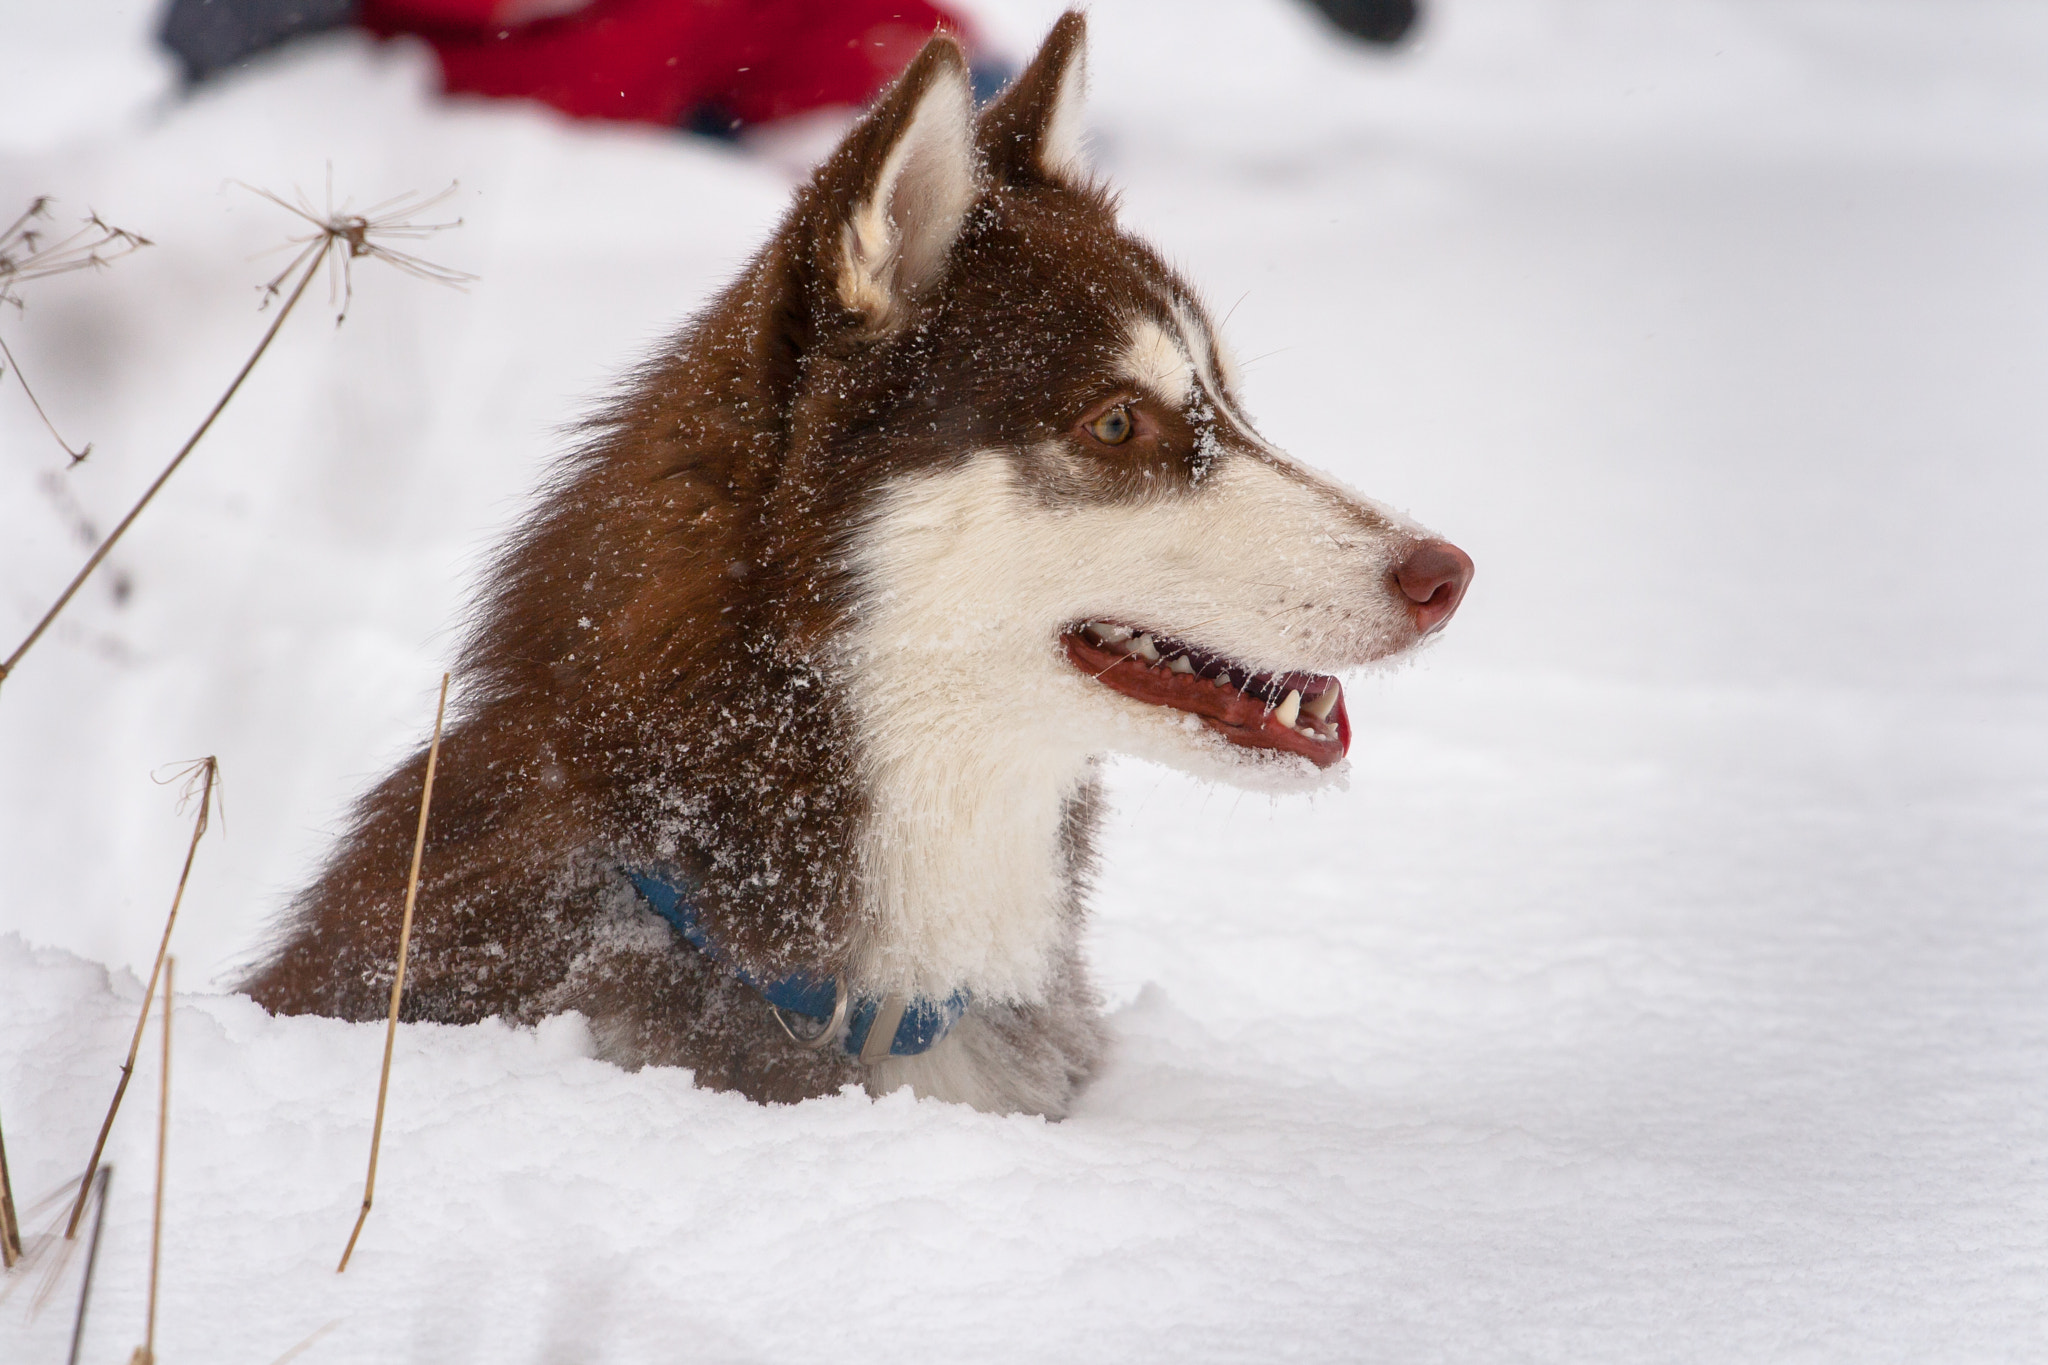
1667, 985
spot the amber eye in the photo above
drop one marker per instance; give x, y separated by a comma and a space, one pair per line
1114, 427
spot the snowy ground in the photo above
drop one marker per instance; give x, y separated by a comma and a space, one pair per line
1669, 985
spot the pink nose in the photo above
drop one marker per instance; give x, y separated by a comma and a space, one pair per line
1433, 578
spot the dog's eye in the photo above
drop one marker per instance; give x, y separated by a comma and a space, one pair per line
1114, 427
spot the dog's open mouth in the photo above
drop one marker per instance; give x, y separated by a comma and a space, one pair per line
1297, 713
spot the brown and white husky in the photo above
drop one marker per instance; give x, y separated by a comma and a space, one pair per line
779, 727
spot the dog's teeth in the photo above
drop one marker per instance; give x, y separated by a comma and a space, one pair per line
1180, 664
1146, 650
1222, 679
1324, 701
1290, 710
1106, 635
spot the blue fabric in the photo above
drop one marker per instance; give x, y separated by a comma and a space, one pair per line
924, 1023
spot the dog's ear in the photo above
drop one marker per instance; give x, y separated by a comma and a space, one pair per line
1032, 134
898, 189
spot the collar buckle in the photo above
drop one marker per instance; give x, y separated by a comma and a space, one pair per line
829, 1032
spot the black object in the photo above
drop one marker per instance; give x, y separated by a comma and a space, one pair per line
208, 36
1374, 21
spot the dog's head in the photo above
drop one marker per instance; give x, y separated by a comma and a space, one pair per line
1053, 527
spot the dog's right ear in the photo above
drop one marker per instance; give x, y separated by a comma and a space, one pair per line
1031, 135
896, 192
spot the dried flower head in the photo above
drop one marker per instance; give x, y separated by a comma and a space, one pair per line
198, 782
344, 236
27, 254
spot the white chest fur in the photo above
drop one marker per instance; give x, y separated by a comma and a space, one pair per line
967, 747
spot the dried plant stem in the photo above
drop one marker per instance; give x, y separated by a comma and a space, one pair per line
312, 257
92, 1260
412, 886
37, 403
10, 1226
211, 770
145, 1354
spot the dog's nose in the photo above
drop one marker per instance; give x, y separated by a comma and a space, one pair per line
1433, 579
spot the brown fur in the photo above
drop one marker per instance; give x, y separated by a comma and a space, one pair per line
643, 679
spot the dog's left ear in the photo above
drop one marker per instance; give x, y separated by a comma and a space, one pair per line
898, 189
1031, 135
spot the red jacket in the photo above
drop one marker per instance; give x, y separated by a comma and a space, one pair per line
669, 61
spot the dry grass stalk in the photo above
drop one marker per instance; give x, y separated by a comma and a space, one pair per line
206, 771
92, 1260
412, 886
77, 582
10, 1226
25, 255
145, 1354
340, 239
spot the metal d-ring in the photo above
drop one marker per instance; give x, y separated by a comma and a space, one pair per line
832, 1026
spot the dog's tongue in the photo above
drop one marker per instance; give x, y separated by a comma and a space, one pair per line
1297, 713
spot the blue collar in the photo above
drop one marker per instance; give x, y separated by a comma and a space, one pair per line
923, 1024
